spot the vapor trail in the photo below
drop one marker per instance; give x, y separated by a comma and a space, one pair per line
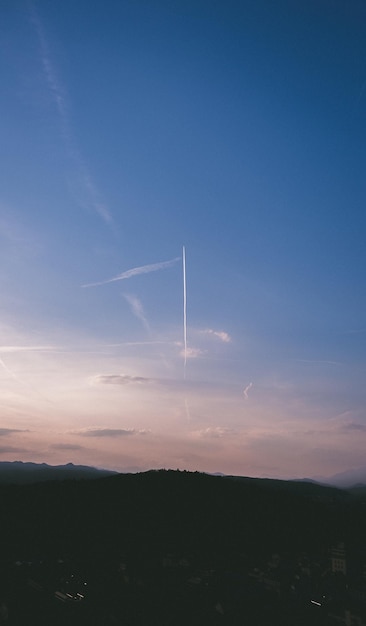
144, 269
184, 310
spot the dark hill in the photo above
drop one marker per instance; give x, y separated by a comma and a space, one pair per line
161, 511
170, 548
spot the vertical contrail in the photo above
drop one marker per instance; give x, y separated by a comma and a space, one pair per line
184, 310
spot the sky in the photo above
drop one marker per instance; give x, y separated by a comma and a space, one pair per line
131, 131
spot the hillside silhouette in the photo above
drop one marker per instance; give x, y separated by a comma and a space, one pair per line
161, 510
146, 536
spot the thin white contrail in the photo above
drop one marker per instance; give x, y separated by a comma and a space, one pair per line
184, 310
144, 269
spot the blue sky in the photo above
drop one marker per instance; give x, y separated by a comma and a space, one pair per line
130, 129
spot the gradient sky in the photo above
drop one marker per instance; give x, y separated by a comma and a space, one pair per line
130, 128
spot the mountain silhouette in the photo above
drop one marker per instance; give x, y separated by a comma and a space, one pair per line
18, 472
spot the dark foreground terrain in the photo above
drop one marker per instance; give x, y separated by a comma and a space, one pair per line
174, 548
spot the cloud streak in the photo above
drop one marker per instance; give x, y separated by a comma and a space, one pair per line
4, 432
191, 353
136, 271
122, 379
58, 95
21, 381
216, 432
11, 349
111, 432
65, 446
54, 85
9, 371
137, 309
354, 427
219, 334
167, 384
141, 343
246, 390
11, 449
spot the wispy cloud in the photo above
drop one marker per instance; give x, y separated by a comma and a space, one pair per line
66, 446
246, 390
13, 235
141, 343
9, 371
137, 309
354, 427
216, 432
188, 411
4, 432
111, 432
11, 349
125, 380
21, 382
58, 95
219, 334
54, 85
122, 379
11, 450
318, 362
192, 353
136, 271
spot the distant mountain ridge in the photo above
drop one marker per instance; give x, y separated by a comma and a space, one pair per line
349, 478
21, 473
